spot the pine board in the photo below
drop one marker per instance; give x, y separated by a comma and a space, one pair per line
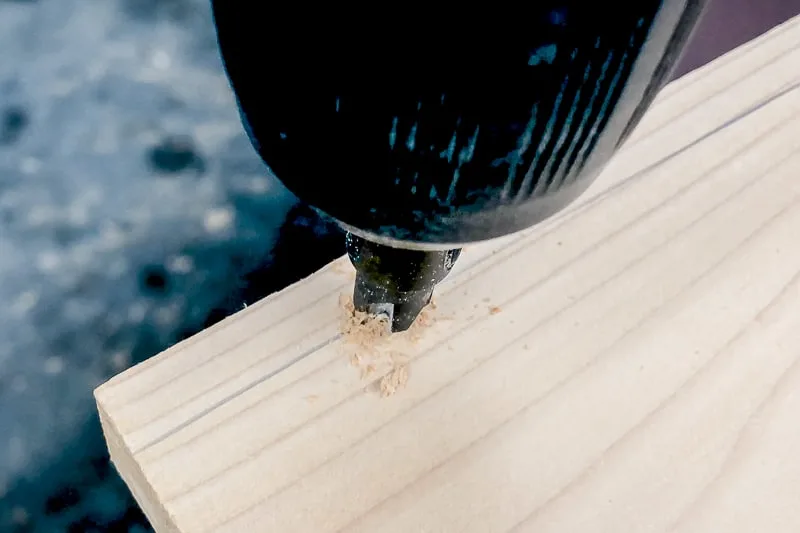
629, 365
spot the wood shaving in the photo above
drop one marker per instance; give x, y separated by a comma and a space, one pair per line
394, 380
380, 356
361, 328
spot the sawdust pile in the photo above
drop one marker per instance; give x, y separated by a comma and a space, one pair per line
381, 357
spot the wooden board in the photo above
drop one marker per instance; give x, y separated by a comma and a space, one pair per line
631, 365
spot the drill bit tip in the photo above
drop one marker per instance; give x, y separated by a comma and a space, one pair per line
396, 282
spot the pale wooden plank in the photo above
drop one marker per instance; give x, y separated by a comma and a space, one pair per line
629, 365
745, 62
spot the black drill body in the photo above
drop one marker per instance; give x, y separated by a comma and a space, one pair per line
421, 132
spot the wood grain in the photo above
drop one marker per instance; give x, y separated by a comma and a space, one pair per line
629, 365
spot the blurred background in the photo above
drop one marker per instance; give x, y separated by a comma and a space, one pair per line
134, 213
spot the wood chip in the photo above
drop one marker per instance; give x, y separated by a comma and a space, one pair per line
394, 380
379, 355
360, 328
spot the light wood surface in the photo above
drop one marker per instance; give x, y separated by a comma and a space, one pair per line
630, 365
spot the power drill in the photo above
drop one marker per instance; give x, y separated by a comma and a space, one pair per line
421, 130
